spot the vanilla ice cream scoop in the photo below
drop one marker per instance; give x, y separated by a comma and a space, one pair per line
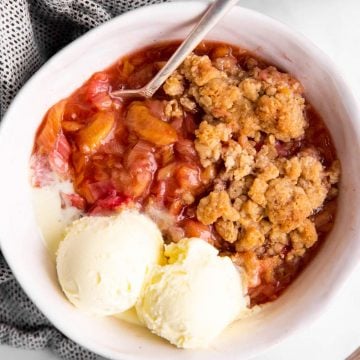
194, 297
103, 261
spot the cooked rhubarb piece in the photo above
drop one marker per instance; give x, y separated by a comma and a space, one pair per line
148, 127
51, 128
95, 133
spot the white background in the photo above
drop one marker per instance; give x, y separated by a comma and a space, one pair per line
334, 25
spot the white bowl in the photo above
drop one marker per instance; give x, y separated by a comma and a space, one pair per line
20, 239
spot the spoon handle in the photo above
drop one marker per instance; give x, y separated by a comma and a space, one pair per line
211, 17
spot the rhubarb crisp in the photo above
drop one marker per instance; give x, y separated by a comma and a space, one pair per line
228, 150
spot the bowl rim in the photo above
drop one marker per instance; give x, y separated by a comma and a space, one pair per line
353, 107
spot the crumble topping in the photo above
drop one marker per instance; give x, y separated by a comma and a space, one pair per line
263, 199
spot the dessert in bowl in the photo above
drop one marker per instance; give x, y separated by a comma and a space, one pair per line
219, 168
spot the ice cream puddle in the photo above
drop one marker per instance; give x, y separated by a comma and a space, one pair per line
51, 218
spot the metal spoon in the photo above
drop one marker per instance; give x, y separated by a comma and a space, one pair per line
211, 17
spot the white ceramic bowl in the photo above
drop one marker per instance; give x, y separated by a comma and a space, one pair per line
20, 238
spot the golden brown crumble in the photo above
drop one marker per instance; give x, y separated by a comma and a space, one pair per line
281, 115
173, 109
238, 162
227, 230
208, 141
199, 69
303, 237
287, 204
261, 201
217, 97
174, 85
188, 104
250, 239
258, 190
215, 206
250, 88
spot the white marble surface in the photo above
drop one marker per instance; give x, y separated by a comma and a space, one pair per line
334, 26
